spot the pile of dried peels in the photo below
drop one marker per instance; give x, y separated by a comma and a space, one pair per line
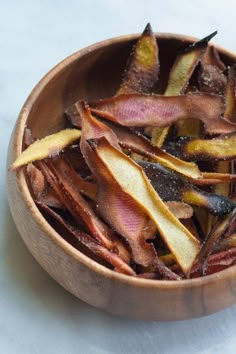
142, 182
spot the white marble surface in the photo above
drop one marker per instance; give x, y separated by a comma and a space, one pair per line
36, 314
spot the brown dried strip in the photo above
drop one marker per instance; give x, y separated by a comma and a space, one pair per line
222, 229
128, 221
184, 66
179, 77
37, 180
142, 68
41, 189
212, 57
172, 187
225, 244
230, 95
80, 209
217, 262
165, 272
121, 170
138, 143
121, 212
142, 110
180, 210
79, 184
91, 244
211, 77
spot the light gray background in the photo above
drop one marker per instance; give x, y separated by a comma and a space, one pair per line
36, 314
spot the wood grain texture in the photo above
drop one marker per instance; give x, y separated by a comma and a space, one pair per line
92, 73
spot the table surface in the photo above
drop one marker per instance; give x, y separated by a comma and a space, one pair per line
36, 314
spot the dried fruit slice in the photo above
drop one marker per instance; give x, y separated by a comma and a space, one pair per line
184, 66
216, 263
230, 95
171, 186
136, 142
79, 208
179, 77
41, 190
142, 68
123, 171
180, 210
221, 148
222, 229
49, 146
211, 78
143, 253
90, 243
141, 110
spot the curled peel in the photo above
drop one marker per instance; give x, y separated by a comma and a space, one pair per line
79, 208
222, 148
49, 146
179, 77
142, 68
142, 110
90, 243
139, 144
180, 241
172, 187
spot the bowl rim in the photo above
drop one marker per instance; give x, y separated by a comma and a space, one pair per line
55, 237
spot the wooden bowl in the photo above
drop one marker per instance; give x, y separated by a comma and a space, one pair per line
91, 73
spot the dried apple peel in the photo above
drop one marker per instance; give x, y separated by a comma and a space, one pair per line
142, 68
180, 241
142, 110
49, 146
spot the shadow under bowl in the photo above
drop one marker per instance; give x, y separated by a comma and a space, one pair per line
92, 73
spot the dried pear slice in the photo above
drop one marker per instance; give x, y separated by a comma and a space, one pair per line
49, 146
142, 110
179, 77
172, 187
124, 171
142, 68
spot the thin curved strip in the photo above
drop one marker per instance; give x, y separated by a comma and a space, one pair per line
180, 209
172, 187
211, 78
184, 66
180, 241
136, 142
139, 144
222, 229
49, 146
41, 190
230, 95
129, 222
142, 110
86, 240
179, 77
221, 148
142, 68
79, 207
216, 263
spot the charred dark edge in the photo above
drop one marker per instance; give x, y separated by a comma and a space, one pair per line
148, 30
199, 44
216, 204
